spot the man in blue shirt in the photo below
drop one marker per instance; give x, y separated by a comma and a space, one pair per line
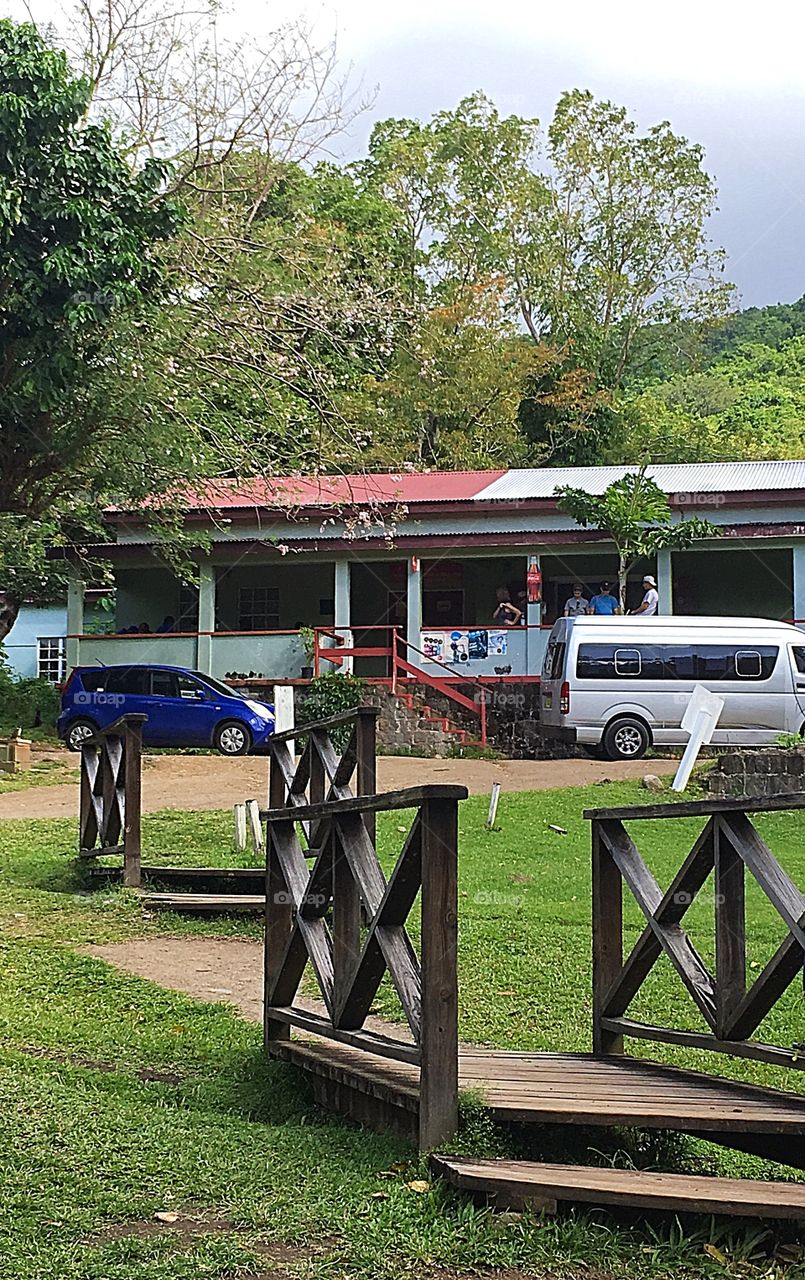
604, 603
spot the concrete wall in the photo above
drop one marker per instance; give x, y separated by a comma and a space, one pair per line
38, 621
303, 586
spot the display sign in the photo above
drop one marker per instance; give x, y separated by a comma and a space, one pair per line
466, 646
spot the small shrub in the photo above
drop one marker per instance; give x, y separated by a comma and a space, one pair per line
329, 695
26, 702
789, 740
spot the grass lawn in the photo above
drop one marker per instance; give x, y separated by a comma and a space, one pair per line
121, 1100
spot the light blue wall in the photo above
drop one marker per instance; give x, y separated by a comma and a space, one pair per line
33, 622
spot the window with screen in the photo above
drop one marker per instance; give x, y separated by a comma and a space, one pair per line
51, 660
259, 609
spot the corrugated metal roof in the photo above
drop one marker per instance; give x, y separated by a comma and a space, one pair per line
404, 488
683, 477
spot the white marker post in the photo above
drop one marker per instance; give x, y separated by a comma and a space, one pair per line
284, 712
240, 827
255, 830
493, 806
700, 720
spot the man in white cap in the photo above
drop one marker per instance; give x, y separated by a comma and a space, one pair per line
650, 602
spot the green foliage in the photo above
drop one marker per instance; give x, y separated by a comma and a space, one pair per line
26, 702
635, 513
790, 740
329, 695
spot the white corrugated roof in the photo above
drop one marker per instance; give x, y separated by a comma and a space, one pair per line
682, 477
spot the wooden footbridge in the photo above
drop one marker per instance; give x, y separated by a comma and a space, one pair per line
332, 909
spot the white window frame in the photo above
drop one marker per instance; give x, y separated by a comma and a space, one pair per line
268, 610
50, 665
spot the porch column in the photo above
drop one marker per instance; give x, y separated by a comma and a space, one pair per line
533, 617
206, 616
413, 629
75, 614
341, 610
665, 581
798, 556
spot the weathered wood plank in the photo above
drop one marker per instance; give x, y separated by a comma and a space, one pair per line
730, 922
781, 1057
607, 911
409, 798
699, 808
777, 885
331, 722
519, 1181
438, 1101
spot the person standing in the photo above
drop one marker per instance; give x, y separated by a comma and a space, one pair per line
604, 604
506, 614
578, 604
651, 600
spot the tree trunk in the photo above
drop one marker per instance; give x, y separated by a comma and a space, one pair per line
623, 570
9, 608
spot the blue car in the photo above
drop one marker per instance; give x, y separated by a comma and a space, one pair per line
184, 708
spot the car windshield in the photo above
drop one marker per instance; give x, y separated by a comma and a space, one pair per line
218, 686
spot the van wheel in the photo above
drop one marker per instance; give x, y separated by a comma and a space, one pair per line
626, 739
233, 738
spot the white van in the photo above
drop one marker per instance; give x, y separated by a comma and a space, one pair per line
620, 685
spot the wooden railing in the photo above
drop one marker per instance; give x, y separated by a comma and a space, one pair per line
110, 795
345, 918
729, 845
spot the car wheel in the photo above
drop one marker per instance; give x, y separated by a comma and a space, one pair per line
78, 732
626, 739
233, 738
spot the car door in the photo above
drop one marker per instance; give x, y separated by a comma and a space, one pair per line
125, 694
182, 710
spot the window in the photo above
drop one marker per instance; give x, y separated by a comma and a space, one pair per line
131, 680
554, 660
259, 609
163, 684
187, 614
93, 681
190, 689
747, 664
798, 651
627, 662
51, 660
677, 662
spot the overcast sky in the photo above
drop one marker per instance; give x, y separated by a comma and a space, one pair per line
727, 75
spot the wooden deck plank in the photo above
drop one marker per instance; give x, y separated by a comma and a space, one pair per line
514, 1181
574, 1089
219, 903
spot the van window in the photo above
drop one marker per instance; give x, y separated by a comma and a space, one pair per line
677, 662
627, 662
748, 664
798, 651
553, 665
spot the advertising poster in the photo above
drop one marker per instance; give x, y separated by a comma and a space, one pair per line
498, 644
459, 647
433, 644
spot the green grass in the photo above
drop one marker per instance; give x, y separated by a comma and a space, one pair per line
88, 1141
42, 773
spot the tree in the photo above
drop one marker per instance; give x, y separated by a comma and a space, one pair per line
635, 514
79, 231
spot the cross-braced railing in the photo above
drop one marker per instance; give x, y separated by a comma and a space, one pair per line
110, 795
348, 920
729, 846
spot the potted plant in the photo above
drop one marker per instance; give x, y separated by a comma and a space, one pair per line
308, 638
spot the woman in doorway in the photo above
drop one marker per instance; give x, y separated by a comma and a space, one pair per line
506, 614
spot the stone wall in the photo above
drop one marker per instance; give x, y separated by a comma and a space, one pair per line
769, 772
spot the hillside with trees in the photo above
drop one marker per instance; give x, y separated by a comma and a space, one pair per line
191, 286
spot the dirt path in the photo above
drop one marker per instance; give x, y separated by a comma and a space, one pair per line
221, 970
212, 782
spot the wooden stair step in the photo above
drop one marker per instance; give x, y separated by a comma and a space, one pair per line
207, 903
515, 1182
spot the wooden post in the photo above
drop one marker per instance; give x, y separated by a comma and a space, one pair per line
730, 931
132, 790
438, 1088
366, 756
85, 811
278, 919
346, 926
607, 939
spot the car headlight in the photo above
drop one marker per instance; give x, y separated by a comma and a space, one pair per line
259, 709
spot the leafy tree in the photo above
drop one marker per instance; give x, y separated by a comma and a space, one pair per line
635, 514
78, 236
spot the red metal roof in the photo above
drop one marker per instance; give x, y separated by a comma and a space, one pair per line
405, 488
